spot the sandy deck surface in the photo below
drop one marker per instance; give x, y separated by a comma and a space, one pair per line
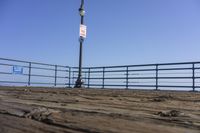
36, 110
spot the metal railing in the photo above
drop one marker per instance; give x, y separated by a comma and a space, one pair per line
33, 73
166, 76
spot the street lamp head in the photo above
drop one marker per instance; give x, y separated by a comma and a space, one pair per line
81, 12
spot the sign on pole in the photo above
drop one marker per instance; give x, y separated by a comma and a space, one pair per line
83, 31
17, 70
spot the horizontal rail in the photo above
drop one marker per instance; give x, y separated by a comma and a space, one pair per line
141, 78
37, 63
137, 70
145, 65
153, 86
14, 82
47, 76
40, 83
5, 64
5, 73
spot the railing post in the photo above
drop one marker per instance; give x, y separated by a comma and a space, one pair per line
85, 77
103, 79
73, 77
69, 77
193, 77
156, 77
55, 79
127, 77
29, 74
89, 78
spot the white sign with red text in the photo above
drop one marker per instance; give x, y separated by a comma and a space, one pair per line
83, 31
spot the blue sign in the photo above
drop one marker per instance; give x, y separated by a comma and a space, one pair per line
17, 70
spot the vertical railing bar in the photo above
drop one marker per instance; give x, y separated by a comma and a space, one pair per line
85, 78
73, 77
89, 78
69, 78
103, 79
55, 80
127, 77
29, 74
157, 77
193, 76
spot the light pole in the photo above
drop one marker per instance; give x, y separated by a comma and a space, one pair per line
79, 81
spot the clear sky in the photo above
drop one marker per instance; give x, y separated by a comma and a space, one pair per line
120, 32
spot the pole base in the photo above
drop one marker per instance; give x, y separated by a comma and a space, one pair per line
79, 83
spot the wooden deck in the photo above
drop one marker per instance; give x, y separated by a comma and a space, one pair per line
47, 110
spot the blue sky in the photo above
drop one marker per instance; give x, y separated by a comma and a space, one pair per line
120, 32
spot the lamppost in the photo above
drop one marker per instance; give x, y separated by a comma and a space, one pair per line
79, 81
